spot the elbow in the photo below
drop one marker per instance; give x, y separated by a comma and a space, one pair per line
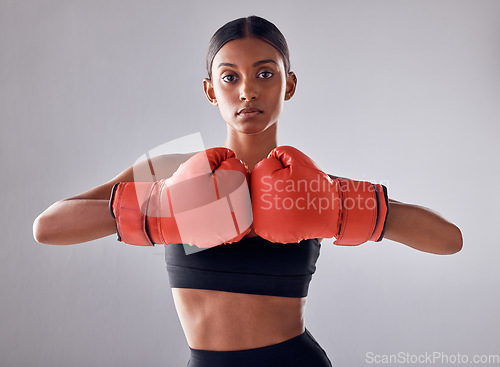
42, 232
453, 242
39, 230
459, 241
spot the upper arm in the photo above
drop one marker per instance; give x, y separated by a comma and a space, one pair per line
153, 169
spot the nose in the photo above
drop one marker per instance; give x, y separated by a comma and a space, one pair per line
248, 91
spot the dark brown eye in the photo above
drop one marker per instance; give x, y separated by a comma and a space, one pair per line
229, 78
266, 74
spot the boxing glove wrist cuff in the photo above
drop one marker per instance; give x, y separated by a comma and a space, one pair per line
383, 213
128, 205
363, 212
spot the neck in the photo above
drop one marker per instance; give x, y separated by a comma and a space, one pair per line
252, 148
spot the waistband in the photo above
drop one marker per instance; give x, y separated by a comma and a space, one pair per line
302, 350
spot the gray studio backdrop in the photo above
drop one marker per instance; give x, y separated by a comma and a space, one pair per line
400, 92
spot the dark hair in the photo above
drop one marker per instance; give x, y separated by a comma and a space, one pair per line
252, 26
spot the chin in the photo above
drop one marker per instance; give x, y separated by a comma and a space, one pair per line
252, 128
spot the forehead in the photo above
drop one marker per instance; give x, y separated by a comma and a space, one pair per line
246, 51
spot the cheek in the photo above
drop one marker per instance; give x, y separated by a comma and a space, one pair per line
226, 102
280, 87
278, 92
224, 95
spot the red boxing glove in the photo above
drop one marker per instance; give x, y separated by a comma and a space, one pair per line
205, 203
292, 200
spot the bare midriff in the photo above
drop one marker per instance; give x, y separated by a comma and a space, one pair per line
222, 321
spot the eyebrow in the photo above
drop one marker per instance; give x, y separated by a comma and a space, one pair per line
255, 64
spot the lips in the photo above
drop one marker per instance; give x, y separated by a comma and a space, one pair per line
249, 111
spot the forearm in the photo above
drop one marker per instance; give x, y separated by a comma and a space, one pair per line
72, 221
422, 229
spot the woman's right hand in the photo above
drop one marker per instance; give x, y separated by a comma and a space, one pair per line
205, 203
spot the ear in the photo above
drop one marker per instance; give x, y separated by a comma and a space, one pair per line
291, 84
209, 91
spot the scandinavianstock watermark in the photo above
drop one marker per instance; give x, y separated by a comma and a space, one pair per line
431, 358
315, 194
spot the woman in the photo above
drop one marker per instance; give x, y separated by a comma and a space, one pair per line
258, 318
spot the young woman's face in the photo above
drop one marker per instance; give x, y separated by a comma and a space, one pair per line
249, 84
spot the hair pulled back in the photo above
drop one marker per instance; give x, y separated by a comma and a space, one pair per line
252, 26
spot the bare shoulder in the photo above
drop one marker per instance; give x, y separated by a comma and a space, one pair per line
148, 169
156, 168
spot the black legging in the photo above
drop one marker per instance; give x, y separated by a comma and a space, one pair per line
301, 351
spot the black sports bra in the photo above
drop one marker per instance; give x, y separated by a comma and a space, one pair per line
252, 266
